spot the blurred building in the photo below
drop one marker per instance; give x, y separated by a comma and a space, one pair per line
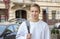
50, 10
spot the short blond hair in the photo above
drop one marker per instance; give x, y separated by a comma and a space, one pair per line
35, 5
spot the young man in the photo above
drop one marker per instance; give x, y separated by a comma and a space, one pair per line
38, 29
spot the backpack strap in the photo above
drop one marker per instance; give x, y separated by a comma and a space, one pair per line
28, 26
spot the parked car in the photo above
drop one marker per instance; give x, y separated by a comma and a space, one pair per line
57, 25
8, 31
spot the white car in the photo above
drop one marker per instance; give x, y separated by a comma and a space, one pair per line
57, 25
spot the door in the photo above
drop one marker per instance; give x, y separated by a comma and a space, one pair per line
44, 15
21, 14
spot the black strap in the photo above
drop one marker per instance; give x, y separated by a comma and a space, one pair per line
28, 26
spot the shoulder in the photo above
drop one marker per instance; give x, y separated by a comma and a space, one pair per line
44, 23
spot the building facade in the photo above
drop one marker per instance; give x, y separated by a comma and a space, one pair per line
50, 10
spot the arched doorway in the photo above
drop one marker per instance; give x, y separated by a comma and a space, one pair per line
21, 14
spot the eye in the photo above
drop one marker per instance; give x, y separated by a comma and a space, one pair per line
32, 11
36, 11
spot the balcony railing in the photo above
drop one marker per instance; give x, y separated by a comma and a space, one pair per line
52, 1
21, 1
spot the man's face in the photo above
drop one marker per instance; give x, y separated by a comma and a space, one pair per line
34, 12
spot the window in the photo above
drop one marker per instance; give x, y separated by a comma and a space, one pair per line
3, 15
10, 29
16, 26
53, 14
21, 14
58, 15
3, 18
2, 28
44, 15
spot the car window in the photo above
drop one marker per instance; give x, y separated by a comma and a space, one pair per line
2, 28
16, 27
10, 28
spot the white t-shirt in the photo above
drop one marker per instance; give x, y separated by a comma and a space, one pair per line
39, 30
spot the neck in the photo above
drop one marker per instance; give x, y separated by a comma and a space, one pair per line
34, 20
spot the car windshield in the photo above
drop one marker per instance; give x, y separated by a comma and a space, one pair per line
2, 28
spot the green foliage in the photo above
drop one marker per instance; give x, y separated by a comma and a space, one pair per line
54, 31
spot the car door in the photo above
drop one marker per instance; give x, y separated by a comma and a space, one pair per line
12, 30
9, 31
